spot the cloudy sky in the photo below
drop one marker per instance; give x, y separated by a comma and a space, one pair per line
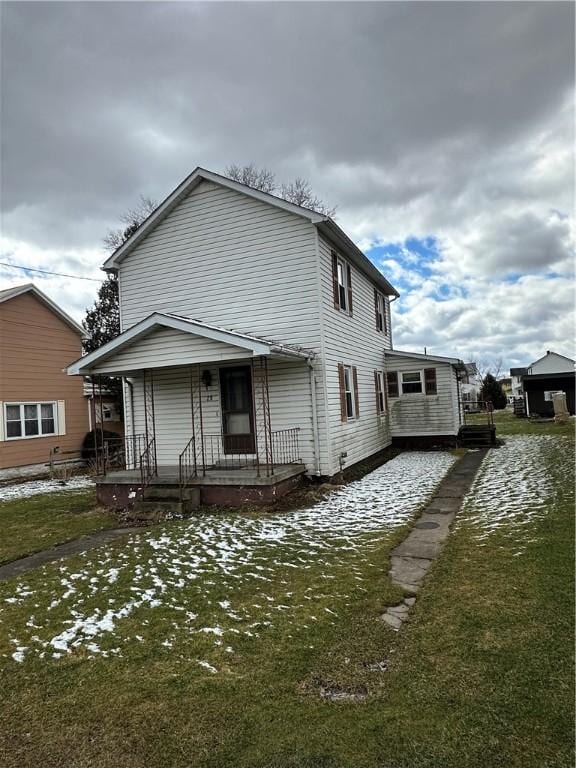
443, 132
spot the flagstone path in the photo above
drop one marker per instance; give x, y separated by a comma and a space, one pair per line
411, 559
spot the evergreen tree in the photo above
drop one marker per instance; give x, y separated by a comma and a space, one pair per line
491, 392
102, 322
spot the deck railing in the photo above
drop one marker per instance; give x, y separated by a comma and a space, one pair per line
477, 412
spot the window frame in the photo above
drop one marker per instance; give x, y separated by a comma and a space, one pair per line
380, 308
380, 393
22, 420
351, 414
343, 287
422, 391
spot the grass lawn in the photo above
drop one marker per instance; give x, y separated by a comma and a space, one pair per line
508, 424
39, 522
231, 638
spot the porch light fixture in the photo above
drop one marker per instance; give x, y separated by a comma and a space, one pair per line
206, 378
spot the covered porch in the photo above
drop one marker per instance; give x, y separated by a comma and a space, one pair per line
207, 408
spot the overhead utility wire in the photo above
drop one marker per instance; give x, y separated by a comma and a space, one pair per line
46, 272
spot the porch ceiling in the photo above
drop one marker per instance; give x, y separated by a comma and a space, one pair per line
164, 340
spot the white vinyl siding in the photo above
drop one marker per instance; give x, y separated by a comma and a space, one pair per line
226, 259
167, 347
352, 339
421, 414
290, 406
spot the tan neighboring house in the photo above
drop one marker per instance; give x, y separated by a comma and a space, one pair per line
41, 408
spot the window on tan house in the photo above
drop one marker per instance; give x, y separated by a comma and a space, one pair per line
341, 284
24, 420
349, 397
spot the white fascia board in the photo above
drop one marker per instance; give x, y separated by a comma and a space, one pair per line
424, 358
191, 181
84, 364
343, 243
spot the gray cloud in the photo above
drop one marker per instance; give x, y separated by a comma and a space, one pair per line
445, 119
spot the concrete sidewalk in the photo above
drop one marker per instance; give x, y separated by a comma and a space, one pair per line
411, 559
76, 547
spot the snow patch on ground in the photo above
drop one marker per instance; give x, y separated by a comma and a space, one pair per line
190, 568
36, 487
517, 484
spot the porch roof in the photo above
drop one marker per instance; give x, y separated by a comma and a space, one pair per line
455, 361
134, 338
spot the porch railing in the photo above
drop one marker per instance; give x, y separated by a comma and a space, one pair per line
222, 451
187, 465
148, 465
110, 454
477, 412
286, 446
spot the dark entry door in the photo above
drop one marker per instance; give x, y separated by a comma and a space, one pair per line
237, 409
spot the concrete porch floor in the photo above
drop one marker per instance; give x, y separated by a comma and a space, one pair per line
169, 475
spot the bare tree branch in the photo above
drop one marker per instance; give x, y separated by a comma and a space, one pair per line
257, 178
298, 191
131, 219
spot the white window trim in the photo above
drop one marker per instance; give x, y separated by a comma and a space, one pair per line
381, 393
53, 403
422, 392
350, 370
382, 310
340, 262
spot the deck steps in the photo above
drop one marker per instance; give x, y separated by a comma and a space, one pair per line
477, 435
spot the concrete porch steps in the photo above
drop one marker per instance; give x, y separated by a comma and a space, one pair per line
165, 502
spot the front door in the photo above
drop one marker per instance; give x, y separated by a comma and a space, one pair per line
237, 409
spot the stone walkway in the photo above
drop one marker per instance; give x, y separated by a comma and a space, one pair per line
76, 547
411, 560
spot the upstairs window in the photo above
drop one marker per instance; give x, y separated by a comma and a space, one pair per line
29, 420
380, 309
380, 392
341, 284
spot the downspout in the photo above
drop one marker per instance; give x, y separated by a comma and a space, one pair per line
390, 319
130, 386
315, 430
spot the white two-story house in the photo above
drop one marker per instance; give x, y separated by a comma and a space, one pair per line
256, 347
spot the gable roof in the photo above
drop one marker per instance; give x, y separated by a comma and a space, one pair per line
325, 224
252, 344
18, 290
548, 354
